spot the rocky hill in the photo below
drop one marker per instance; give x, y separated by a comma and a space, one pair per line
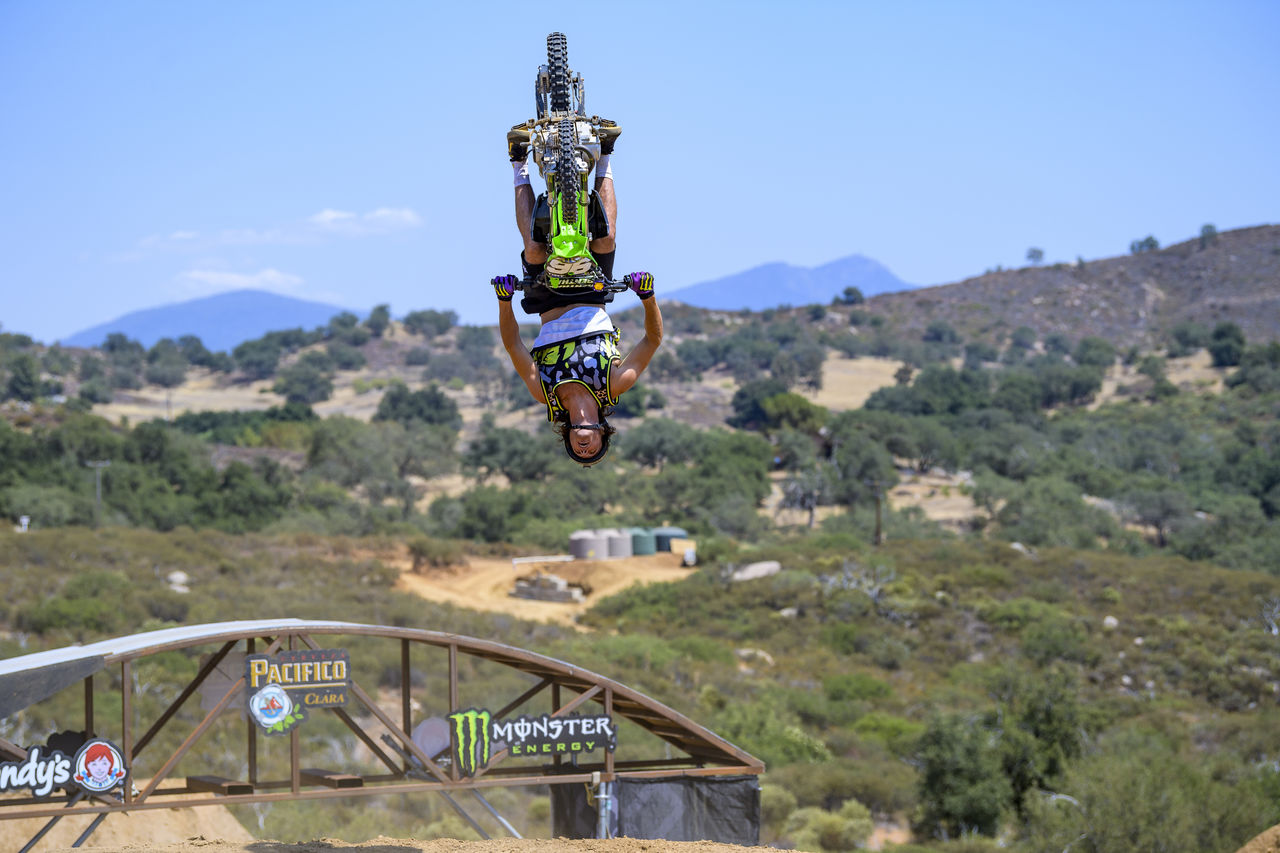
1132, 300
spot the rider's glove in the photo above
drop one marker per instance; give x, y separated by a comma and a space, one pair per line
641, 283
504, 287
609, 133
518, 143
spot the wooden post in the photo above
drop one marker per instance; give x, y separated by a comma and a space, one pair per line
608, 712
126, 724
88, 707
405, 709
555, 706
251, 728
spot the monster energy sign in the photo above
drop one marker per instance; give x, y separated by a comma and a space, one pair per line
476, 736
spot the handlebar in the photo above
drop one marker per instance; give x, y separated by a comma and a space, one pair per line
606, 286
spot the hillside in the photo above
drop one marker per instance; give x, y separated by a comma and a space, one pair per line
1131, 300
221, 321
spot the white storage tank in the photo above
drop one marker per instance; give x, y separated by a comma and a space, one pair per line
618, 542
588, 545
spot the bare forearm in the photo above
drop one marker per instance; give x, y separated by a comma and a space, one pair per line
652, 321
509, 330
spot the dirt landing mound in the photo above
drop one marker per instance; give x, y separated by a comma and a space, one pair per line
1267, 842
163, 829
400, 845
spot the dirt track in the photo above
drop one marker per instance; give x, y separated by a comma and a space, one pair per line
486, 584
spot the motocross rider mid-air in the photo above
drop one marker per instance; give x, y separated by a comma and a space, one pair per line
574, 367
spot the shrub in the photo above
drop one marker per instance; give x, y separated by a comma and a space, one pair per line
853, 686
435, 553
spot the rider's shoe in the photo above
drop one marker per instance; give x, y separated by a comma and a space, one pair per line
518, 143
609, 133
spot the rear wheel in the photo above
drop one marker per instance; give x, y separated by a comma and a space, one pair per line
567, 178
558, 71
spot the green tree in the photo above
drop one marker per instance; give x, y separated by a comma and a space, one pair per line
1187, 337
430, 323
345, 356
1135, 792
1023, 338
1035, 256
963, 787
1051, 511
306, 381
57, 361
404, 455
1163, 507
515, 455
1093, 351
941, 332
166, 365
1145, 245
24, 377
862, 465
427, 405
1227, 345
748, 403
258, 358
659, 442
378, 320
794, 412
1208, 236
850, 296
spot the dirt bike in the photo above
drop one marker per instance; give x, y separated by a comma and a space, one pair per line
565, 144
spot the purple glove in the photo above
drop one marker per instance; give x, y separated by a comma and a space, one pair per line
641, 283
504, 287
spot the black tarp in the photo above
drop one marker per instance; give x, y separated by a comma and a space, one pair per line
685, 808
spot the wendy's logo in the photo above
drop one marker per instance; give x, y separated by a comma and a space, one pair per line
99, 767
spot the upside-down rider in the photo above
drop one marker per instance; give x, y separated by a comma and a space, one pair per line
574, 367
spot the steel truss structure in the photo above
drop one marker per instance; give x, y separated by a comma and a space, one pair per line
565, 689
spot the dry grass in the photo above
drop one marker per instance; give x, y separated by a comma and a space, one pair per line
848, 382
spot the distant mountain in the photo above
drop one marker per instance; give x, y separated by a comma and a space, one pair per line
221, 321
771, 285
1131, 300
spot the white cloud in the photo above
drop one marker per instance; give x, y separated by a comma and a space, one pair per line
394, 217
216, 281
383, 220
328, 223
330, 217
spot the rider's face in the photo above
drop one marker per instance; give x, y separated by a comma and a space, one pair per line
585, 443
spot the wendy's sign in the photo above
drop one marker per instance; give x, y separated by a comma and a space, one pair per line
98, 767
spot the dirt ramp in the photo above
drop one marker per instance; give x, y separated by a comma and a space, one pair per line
1267, 842
147, 829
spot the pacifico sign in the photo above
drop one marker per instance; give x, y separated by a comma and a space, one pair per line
283, 685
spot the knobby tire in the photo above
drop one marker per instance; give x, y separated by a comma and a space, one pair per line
558, 70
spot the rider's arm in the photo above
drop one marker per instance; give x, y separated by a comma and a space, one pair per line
638, 359
520, 358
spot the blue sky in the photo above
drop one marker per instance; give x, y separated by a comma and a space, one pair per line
354, 153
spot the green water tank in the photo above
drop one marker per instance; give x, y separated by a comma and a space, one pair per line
643, 542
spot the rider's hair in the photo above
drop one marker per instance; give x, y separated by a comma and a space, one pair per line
562, 428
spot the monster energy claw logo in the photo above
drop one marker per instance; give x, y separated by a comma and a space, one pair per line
470, 740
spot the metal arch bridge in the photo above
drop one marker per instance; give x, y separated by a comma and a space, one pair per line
564, 688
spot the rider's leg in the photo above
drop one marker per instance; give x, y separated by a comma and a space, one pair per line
534, 253
604, 188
